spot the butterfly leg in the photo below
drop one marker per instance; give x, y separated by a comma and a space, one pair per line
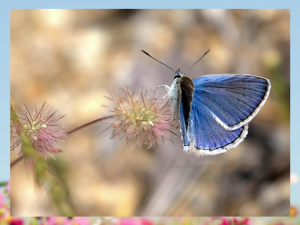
166, 86
173, 119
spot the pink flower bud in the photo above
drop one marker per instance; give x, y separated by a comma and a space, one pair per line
42, 128
142, 117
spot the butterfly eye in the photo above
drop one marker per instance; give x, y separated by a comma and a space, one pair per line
177, 76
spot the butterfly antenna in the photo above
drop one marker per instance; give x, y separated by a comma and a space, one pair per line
197, 61
157, 60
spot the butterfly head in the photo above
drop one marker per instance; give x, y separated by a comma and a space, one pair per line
178, 74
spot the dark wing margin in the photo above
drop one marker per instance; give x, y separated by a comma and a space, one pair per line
186, 92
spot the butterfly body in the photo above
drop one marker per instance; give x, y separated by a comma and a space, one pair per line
181, 90
214, 110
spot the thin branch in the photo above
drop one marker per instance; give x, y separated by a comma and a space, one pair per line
16, 161
90, 123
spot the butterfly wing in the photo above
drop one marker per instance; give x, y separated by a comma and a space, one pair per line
234, 100
204, 136
222, 106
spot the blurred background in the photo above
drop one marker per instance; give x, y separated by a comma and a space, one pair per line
69, 58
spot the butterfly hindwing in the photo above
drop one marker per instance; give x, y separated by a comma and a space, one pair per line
208, 136
205, 136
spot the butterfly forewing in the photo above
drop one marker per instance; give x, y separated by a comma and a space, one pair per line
233, 99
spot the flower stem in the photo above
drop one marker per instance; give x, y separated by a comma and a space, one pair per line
16, 161
92, 122
72, 131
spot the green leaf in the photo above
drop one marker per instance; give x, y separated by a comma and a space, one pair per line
3, 184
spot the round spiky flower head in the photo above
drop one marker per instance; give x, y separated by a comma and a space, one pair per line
142, 117
42, 128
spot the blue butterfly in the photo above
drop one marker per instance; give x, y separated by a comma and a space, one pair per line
214, 110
